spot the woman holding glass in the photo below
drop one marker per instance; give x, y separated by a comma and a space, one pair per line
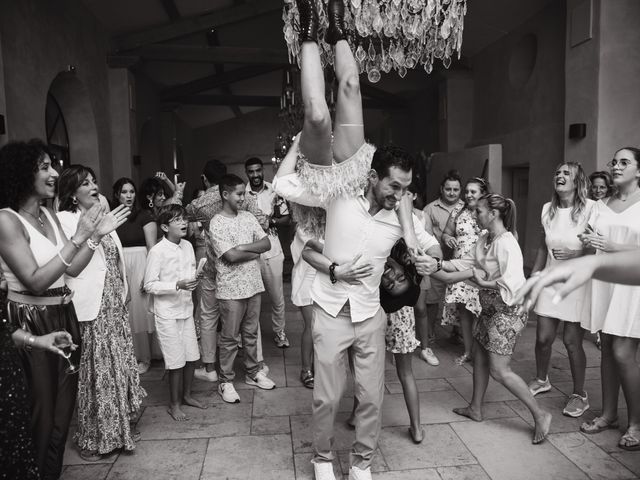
35, 254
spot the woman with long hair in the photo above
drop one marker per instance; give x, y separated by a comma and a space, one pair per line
35, 254
109, 390
615, 308
497, 271
563, 219
137, 235
461, 301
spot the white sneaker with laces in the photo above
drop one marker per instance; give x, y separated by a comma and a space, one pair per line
228, 392
264, 368
576, 405
356, 473
323, 471
202, 374
537, 386
261, 381
428, 356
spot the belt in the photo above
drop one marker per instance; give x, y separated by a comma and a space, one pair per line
33, 300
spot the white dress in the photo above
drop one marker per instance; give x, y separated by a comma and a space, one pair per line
560, 232
302, 274
615, 308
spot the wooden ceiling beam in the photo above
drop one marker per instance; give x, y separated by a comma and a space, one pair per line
264, 101
186, 26
170, 9
216, 81
198, 54
214, 41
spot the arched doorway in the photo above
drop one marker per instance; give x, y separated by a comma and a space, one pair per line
70, 122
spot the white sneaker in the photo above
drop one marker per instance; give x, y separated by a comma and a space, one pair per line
228, 392
428, 356
264, 368
357, 474
202, 374
260, 380
323, 471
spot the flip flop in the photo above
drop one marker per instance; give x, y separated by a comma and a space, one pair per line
597, 425
629, 441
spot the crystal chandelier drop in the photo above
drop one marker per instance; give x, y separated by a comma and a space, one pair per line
389, 34
291, 113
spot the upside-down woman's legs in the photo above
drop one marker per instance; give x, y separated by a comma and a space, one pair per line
410, 392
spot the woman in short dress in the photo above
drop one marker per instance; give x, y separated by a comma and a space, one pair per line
137, 235
109, 390
615, 308
461, 302
497, 269
563, 218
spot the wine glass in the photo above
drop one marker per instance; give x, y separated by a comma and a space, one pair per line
65, 346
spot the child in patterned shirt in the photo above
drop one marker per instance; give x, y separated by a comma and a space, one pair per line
238, 240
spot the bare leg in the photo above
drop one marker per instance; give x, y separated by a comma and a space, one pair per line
175, 395
480, 383
500, 369
573, 335
349, 124
610, 379
422, 319
624, 352
306, 345
545, 335
410, 391
315, 142
187, 381
432, 316
466, 325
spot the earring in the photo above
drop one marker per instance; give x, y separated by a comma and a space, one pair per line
74, 200
150, 203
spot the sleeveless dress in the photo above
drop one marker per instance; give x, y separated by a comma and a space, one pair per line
562, 231
615, 308
51, 392
467, 231
109, 390
400, 334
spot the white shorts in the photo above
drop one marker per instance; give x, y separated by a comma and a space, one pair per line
178, 341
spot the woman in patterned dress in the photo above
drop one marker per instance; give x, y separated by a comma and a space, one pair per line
461, 301
496, 268
109, 390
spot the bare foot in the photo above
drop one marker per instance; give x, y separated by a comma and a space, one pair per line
416, 435
193, 402
177, 414
542, 428
469, 413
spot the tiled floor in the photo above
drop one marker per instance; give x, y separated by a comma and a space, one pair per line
268, 435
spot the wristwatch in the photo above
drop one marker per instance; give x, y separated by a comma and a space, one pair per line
332, 273
438, 264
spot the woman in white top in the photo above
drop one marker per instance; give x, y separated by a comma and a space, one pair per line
615, 308
563, 219
109, 385
496, 268
35, 255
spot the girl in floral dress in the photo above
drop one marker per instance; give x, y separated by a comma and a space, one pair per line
461, 301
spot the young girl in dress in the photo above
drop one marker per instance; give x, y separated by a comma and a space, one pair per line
615, 308
495, 267
461, 303
563, 219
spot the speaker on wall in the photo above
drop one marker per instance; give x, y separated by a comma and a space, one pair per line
577, 130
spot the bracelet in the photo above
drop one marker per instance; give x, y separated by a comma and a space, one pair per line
332, 273
75, 243
28, 344
62, 259
91, 244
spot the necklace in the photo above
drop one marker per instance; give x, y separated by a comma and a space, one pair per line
38, 218
491, 239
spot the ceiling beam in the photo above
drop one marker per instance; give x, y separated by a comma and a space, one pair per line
198, 54
170, 9
216, 81
187, 26
265, 101
214, 41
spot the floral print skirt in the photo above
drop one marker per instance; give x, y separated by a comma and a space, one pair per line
499, 325
459, 293
400, 335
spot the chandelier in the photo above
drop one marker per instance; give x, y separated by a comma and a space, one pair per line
291, 113
389, 34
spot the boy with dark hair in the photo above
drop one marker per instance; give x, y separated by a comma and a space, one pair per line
238, 240
170, 276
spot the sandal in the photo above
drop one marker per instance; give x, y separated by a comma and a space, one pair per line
306, 377
90, 455
630, 440
462, 359
597, 425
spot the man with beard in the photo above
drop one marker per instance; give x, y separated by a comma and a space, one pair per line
360, 232
271, 262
